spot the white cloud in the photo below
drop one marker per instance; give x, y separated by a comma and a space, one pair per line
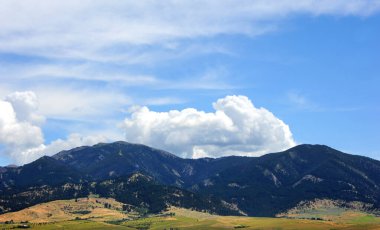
21, 135
83, 72
79, 103
163, 101
92, 29
17, 131
25, 105
236, 127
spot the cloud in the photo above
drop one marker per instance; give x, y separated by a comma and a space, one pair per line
236, 127
111, 30
81, 72
79, 103
163, 101
17, 131
21, 135
25, 105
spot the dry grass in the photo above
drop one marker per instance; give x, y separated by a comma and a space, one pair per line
191, 214
59, 215
62, 210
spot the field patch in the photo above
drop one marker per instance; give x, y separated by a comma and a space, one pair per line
97, 209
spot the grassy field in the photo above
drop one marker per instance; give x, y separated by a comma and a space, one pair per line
63, 210
186, 219
181, 222
176, 218
331, 211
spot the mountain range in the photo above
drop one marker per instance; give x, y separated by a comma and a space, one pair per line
154, 179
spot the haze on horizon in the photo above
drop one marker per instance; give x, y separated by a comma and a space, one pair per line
195, 78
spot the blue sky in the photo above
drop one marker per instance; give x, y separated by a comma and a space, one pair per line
79, 73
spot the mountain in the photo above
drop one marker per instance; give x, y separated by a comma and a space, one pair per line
256, 186
104, 161
136, 189
141, 190
44, 171
266, 185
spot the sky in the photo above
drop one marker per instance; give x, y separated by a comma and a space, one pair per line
195, 78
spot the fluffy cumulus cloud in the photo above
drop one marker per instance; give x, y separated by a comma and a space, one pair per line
17, 122
236, 127
21, 135
25, 105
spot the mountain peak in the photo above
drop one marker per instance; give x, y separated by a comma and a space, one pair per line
309, 150
118, 148
311, 146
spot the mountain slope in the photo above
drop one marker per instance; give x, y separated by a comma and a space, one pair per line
142, 191
44, 171
136, 189
95, 209
276, 182
104, 161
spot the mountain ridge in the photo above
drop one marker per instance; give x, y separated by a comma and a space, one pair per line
258, 186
